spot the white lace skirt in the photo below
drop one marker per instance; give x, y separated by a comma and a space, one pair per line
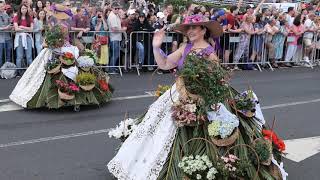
143, 154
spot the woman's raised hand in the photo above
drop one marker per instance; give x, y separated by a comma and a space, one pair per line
158, 38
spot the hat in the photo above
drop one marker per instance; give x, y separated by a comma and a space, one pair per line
199, 20
61, 12
160, 15
250, 6
131, 12
219, 13
141, 14
115, 5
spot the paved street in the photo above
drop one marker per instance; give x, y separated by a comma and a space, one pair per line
67, 145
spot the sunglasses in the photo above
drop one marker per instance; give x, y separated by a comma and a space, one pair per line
117, 8
68, 5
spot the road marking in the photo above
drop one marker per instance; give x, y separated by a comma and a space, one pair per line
10, 106
290, 104
4, 100
301, 149
67, 136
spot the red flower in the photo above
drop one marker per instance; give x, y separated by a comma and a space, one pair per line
68, 55
270, 135
104, 85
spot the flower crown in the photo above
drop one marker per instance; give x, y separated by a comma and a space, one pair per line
194, 19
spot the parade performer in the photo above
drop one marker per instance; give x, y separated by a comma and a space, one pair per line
201, 128
60, 75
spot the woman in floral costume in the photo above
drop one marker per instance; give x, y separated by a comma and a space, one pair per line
194, 130
59, 76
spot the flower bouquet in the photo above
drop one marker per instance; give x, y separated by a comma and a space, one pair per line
184, 112
274, 139
263, 148
223, 127
204, 81
231, 167
67, 59
86, 81
85, 62
161, 90
54, 37
245, 103
66, 90
53, 66
91, 54
197, 167
223, 133
124, 129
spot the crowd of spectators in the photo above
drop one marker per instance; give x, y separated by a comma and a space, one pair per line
266, 34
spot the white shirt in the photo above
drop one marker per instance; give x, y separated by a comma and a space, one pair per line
290, 19
309, 24
114, 21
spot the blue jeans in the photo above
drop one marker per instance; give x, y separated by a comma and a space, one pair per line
114, 54
38, 43
7, 47
140, 49
20, 52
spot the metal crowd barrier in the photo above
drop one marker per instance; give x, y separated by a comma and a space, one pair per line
87, 40
138, 48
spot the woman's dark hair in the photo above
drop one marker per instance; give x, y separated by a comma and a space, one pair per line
45, 17
258, 18
297, 20
207, 35
27, 16
37, 8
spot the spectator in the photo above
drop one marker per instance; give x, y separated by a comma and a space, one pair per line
258, 38
141, 38
39, 6
39, 23
169, 9
99, 22
114, 23
23, 23
295, 33
48, 5
271, 30
81, 23
161, 22
279, 38
310, 28
290, 16
243, 48
131, 20
5, 38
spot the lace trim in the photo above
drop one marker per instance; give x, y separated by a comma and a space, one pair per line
158, 111
32, 79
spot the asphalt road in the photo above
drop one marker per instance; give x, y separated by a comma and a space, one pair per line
75, 146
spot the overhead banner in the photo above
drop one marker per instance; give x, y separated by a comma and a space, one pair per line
282, 6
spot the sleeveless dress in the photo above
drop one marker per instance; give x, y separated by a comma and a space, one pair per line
144, 153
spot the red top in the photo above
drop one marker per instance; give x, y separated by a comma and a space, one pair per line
231, 20
23, 22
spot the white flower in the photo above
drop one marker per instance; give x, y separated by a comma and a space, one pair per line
124, 129
190, 108
85, 61
199, 176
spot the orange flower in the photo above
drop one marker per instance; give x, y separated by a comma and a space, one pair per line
68, 55
104, 86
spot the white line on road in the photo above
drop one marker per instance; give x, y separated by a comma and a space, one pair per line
32, 141
290, 104
4, 100
14, 107
67, 136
